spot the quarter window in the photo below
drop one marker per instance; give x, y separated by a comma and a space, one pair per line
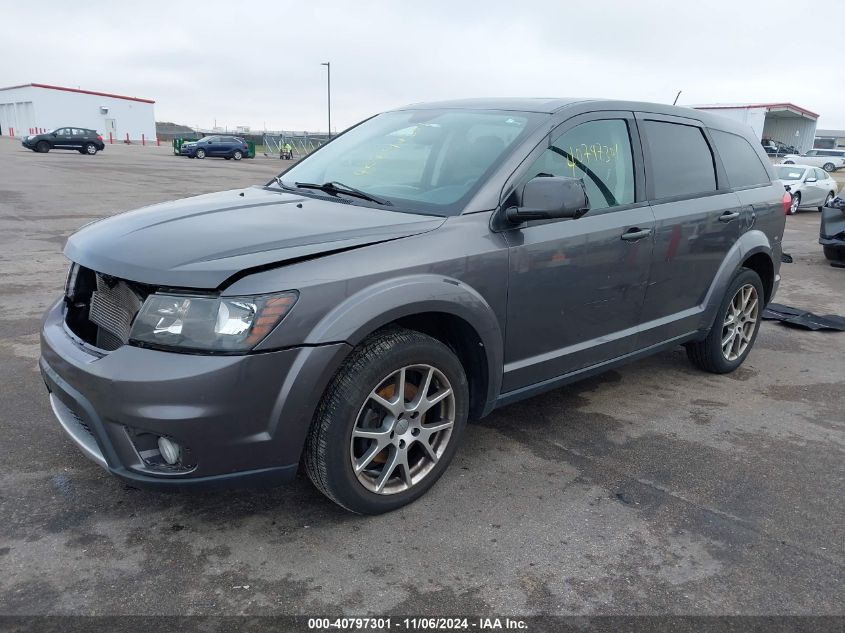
681, 162
741, 162
597, 152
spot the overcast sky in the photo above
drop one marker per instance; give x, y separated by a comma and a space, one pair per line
258, 63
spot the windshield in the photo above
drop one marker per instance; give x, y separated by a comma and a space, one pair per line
427, 161
787, 172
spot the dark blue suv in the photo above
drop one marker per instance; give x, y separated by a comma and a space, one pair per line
222, 146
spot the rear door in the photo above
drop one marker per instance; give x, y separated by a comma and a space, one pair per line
576, 286
697, 220
821, 187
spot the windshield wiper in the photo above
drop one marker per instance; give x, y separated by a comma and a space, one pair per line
339, 187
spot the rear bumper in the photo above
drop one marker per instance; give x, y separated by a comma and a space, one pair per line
242, 420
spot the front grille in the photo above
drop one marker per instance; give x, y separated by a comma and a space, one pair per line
101, 308
113, 307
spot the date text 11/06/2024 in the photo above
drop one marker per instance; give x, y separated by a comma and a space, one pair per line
416, 624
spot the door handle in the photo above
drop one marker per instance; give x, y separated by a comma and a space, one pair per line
727, 216
634, 234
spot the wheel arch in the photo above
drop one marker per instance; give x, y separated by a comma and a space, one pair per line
442, 307
753, 250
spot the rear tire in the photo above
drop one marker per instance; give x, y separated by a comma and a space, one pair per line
834, 253
367, 417
90, 149
42, 147
238, 154
829, 167
734, 328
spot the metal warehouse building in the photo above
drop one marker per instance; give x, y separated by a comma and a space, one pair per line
34, 108
784, 122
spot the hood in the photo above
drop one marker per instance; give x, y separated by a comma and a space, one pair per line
200, 242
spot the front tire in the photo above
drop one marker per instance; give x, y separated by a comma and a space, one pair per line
200, 153
42, 147
834, 253
795, 204
389, 422
829, 167
735, 327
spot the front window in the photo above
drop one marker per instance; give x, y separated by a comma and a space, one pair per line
427, 161
787, 172
599, 154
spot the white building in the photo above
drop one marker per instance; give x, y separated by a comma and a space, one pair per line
35, 108
784, 122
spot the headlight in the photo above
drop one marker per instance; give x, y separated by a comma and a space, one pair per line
226, 324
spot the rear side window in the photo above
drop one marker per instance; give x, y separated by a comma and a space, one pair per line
681, 161
740, 160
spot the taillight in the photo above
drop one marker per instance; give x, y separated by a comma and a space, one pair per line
787, 202
99, 138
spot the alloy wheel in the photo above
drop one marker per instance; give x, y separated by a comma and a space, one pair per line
740, 321
793, 206
403, 429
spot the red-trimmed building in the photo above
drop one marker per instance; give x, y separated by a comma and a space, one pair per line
785, 122
34, 108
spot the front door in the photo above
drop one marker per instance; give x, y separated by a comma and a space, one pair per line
697, 220
64, 138
576, 287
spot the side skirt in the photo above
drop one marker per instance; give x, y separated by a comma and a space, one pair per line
552, 383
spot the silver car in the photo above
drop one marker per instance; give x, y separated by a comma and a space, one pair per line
808, 186
828, 159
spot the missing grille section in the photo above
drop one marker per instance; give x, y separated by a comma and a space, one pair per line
100, 308
114, 305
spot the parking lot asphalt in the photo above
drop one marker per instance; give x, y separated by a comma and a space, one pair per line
653, 488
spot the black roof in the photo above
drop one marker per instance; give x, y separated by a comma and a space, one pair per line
551, 106
517, 104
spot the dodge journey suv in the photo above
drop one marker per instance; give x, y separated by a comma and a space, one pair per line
423, 268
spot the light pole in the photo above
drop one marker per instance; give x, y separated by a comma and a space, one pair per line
328, 66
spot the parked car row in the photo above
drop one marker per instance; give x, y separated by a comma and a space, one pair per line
87, 141
82, 140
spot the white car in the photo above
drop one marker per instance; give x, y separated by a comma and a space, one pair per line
809, 186
827, 159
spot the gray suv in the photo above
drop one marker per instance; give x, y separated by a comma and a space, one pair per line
423, 268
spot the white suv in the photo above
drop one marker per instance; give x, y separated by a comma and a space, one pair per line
827, 159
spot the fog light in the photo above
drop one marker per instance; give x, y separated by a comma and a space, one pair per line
170, 450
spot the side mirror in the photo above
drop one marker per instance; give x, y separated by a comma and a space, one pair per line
550, 197
811, 179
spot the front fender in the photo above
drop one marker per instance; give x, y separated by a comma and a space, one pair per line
386, 301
